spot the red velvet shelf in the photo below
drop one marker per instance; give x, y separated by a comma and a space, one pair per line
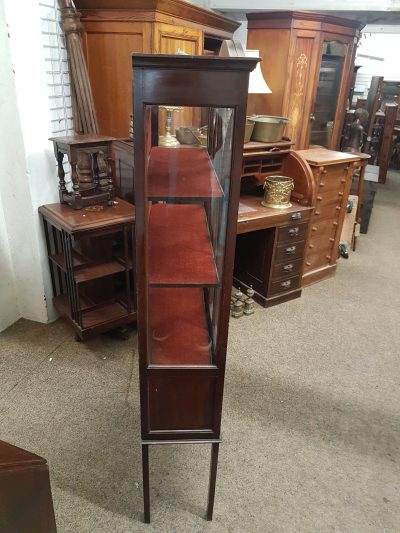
181, 173
178, 327
180, 251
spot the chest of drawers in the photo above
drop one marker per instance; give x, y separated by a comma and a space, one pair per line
270, 248
332, 173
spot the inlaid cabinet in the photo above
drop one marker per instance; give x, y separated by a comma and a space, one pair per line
308, 59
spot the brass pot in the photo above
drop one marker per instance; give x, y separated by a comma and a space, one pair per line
277, 190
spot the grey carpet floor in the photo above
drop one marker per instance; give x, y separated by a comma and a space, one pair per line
311, 419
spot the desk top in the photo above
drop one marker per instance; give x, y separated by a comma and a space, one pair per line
253, 216
322, 156
89, 218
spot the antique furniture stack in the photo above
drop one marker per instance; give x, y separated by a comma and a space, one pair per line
308, 61
90, 240
186, 202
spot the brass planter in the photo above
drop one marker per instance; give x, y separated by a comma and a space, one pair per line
277, 190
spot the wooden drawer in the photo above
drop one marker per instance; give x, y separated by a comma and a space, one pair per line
329, 197
282, 286
320, 227
286, 268
292, 233
289, 251
319, 256
330, 211
332, 179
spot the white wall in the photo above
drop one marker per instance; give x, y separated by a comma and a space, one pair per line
27, 167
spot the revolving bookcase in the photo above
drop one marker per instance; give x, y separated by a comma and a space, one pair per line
186, 200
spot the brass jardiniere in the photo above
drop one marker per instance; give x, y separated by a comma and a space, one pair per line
277, 190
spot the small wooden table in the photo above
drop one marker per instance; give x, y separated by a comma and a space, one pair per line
91, 264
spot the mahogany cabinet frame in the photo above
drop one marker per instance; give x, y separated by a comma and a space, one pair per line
193, 82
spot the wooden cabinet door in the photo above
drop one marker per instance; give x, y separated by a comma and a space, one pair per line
302, 66
331, 88
168, 39
109, 47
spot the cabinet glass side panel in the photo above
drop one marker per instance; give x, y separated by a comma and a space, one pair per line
188, 183
330, 75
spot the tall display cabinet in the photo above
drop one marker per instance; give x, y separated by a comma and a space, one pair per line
186, 214
114, 29
308, 61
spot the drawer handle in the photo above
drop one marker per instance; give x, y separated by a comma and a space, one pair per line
295, 216
288, 267
290, 250
319, 198
286, 284
311, 246
343, 180
317, 212
314, 228
294, 231
322, 184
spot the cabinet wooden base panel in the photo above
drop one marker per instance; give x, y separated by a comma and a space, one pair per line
318, 275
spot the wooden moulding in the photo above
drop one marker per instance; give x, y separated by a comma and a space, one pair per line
155, 11
287, 19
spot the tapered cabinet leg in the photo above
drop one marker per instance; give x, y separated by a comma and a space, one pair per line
213, 478
146, 484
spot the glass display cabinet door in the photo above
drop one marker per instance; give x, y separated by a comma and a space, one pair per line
189, 130
188, 185
328, 89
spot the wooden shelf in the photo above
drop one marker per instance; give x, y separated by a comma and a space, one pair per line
99, 270
181, 173
180, 252
94, 314
77, 259
178, 327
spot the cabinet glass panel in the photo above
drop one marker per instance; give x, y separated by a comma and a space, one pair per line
330, 75
188, 181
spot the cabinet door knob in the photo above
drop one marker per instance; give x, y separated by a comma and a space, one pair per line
319, 198
322, 184
294, 231
317, 212
338, 208
311, 246
290, 250
295, 216
314, 228
308, 263
340, 194
343, 180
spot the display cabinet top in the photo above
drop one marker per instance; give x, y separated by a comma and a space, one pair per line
193, 62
